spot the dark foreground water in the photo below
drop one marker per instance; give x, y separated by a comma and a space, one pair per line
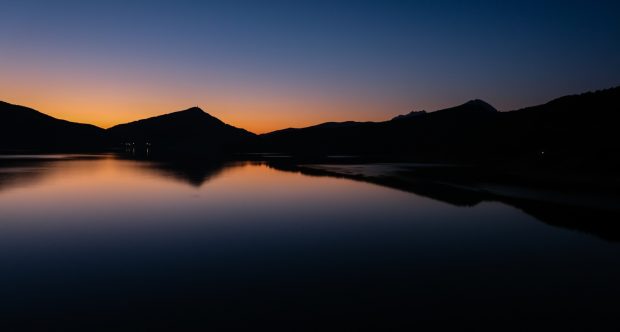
97, 242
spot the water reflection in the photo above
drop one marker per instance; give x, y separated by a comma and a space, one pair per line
194, 173
23, 171
601, 221
133, 243
18, 171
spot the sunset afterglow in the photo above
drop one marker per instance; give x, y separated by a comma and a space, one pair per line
208, 165
277, 65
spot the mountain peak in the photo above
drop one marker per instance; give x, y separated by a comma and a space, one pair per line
480, 104
470, 108
187, 114
193, 110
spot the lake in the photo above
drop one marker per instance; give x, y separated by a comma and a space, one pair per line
104, 242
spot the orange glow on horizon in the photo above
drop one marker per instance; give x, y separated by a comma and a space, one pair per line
105, 98
257, 118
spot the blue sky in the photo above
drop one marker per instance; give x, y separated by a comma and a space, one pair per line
268, 64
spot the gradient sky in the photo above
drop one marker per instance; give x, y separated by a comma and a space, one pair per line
266, 65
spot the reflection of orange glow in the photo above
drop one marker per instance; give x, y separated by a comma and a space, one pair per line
106, 186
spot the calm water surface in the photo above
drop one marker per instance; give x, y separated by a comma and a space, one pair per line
110, 242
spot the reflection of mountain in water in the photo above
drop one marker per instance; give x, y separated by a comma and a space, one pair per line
602, 222
23, 171
195, 173
20, 171
450, 189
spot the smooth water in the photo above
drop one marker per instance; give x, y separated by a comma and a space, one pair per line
103, 240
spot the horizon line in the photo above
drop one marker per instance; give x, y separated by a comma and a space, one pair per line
319, 123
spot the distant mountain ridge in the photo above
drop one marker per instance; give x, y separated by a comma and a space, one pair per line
412, 114
576, 129
572, 129
401, 135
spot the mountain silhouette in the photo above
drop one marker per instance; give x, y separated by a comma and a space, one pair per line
409, 115
573, 130
22, 128
577, 131
441, 131
191, 132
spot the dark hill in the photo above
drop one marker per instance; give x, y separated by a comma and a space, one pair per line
471, 108
191, 131
22, 128
425, 134
578, 130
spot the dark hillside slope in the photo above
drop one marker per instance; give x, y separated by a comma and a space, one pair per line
23, 128
192, 132
425, 135
578, 130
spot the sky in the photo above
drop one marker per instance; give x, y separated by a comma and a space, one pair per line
267, 65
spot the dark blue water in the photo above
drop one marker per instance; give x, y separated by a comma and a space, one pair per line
99, 242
